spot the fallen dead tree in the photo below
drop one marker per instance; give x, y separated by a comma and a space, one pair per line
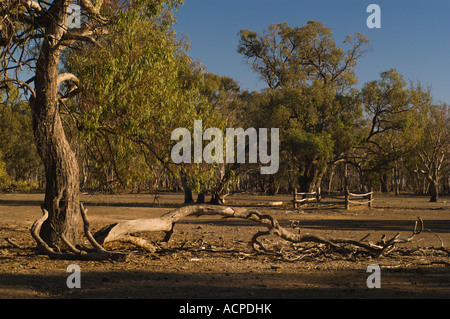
123, 232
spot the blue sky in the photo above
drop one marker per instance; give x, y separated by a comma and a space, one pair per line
414, 37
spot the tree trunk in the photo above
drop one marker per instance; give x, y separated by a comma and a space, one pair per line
273, 190
395, 176
217, 199
310, 181
434, 184
330, 182
201, 198
188, 198
362, 183
384, 183
217, 195
61, 168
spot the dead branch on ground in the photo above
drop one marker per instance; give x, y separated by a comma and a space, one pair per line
123, 232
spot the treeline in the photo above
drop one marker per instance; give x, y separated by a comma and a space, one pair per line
137, 84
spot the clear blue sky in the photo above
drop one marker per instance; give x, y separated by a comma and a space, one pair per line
414, 37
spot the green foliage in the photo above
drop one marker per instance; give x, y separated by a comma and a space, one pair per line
136, 89
309, 97
24, 186
5, 180
138, 84
391, 119
17, 148
285, 55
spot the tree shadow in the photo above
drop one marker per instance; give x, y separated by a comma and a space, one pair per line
400, 283
438, 226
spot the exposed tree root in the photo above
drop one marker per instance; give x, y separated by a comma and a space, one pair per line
73, 253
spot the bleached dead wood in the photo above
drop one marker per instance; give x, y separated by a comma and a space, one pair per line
123, 232
165, 223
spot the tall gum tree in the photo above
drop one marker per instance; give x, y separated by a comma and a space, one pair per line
149, 88
309, 80
397, 118
33, 35
433, 146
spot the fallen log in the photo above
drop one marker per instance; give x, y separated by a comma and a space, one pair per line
121, 231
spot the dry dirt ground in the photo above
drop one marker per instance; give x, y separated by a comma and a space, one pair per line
209, 257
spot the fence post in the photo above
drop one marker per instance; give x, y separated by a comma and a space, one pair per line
370, 197
319, 194
347, 198
295, 198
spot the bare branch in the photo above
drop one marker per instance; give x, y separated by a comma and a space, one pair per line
67, 77
91, 9
32, 4
69, 38
121, 231
165, 223
441, 241
21, 84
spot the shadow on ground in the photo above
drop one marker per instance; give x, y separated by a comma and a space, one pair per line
438, 226
155, 285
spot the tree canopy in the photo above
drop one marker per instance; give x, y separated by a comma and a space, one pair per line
310, 93
103, 97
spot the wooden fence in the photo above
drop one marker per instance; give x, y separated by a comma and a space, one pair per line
348, 198
306, 197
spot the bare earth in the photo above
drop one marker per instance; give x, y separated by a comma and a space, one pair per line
209, 257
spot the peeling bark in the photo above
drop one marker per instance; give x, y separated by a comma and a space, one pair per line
61, 168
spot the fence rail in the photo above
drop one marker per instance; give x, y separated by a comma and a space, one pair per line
361, 199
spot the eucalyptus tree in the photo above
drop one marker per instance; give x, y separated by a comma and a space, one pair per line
433, 146
33, 36
309, 95
137, 85
394, 125
149, 88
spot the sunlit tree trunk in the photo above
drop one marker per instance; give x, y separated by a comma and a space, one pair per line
61, 168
